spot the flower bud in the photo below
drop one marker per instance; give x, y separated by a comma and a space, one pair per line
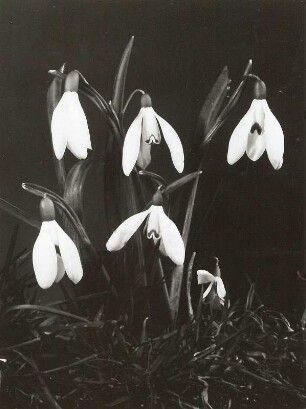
72, 81
157, 198
145, 101
217, 271
260, 90
47, 211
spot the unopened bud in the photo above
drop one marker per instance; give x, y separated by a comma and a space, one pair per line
217, 271
260, 90
47, 211
145, 101
72, 81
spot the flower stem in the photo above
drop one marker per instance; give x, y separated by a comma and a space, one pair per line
136, 91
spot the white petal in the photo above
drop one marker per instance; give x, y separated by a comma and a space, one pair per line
131, 145
162, 248
208, 289
78, 137
51, 227
274, 138
144, 156
125, 231
150, 130
238, 141
153, 229
70, 256
256, 145
220, 287
174, 143
44, 258
60, 269
58, 128
172, 240
205, 277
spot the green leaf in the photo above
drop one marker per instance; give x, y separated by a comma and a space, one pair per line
178, 271
229, 106
181, 182
213, 102
43, 308
119, 85
157, 179
54, 95
19, 213
74, 186
188, 286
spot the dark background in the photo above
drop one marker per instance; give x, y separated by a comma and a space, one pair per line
255, 225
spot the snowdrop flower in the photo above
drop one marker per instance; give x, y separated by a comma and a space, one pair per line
69, 126
258, 130
49, 267
145, 130
215, 290
159, 228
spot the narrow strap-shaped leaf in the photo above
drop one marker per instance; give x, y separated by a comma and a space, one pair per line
11, 248
19, 213
178, 271
157, 179
229, 106
177, 274
164, 291
54, 95
188, 287
74, 186
213, 102
132, 206
181, 182
43, 308
119, 85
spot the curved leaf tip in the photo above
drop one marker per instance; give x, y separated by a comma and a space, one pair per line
119, 84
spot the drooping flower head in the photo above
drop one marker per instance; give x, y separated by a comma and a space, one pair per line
158, 227
257, 131
69, 126
215, 292
147, 129
49, 266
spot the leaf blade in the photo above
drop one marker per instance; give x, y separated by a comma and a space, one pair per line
119, 84
213, 102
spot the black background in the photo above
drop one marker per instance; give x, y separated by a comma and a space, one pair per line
256, 223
